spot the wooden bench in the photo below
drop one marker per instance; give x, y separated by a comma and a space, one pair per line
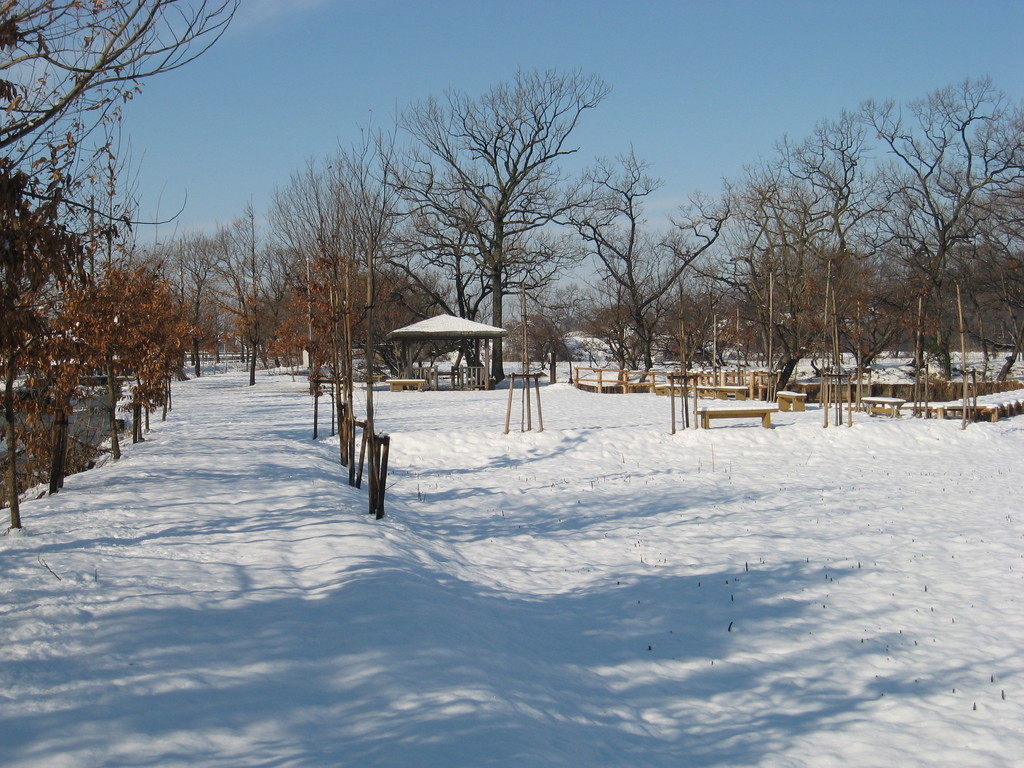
791, 401
980, 412
723, 391
763, 412
995, 411
984, 412
885, 406
406, 385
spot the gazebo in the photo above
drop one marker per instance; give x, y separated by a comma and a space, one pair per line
439, 331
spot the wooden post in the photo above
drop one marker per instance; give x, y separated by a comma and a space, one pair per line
672, 399
963, 356
358, 483
772, 379
823, 396
540, 416
687, 379
684, 366
849, 403
316, 409
382, 474
508, 411
527, 410
927, 378
918, 360
526, 417
350, 426
714, 348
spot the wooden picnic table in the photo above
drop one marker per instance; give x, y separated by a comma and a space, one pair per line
884, 406
791, 401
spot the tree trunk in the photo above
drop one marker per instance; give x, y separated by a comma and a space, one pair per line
252, 366
137, 423
943, 350
195, 357
376, 494
339, 339
1011, 359
12, 453
786, 371
648, 354
113, 395
59, 451
497, 318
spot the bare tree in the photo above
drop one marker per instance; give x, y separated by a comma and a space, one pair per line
992, 270
484, 176
771, 263
339, 216
558, 311
873, 316
373, 223
795, 251
72, 65
241, 268
190, 265
312, 216
642, 267
440, 264
608, 321
953, 153
844, 205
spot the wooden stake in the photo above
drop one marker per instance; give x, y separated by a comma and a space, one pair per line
540, 416
918, 358
382, 477
672, 400
508, 411
963, 356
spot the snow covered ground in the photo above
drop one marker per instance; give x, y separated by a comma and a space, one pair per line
599, 594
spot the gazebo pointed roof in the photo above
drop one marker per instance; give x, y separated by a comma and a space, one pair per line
447, 327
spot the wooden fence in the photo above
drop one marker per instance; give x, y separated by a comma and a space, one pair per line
759, 382
621, 381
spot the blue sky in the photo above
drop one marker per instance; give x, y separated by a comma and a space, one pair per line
699, 89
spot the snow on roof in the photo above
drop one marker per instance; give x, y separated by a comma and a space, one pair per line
447, 327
